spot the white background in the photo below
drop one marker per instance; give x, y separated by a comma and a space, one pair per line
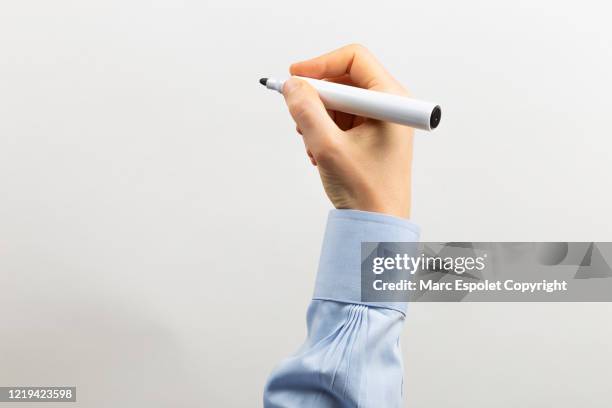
160, 223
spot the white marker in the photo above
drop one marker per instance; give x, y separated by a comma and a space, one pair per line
370, 104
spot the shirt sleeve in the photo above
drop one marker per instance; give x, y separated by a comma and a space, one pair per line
351, 356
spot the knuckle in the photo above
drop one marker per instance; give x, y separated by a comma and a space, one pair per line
358, 48
328, 151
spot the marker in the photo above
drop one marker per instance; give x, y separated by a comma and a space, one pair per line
370, 104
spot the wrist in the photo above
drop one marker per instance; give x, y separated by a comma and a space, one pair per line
396, 207
399, 211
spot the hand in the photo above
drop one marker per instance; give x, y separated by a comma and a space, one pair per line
364, 164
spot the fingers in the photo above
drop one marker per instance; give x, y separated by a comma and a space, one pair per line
310, 116
352, 60
343, 80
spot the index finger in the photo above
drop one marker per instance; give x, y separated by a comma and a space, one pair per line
353, 60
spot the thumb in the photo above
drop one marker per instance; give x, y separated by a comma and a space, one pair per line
310, 115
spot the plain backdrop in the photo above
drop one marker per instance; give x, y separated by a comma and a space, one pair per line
160, 223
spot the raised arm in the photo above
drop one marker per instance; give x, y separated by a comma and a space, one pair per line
351, 357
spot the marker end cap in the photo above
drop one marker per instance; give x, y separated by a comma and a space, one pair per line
436, 116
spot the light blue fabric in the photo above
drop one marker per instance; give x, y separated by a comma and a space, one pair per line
351, 357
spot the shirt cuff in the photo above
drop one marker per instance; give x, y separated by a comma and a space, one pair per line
339, 275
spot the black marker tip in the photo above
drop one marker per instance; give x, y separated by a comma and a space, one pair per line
263, 81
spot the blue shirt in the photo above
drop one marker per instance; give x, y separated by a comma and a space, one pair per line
351, 356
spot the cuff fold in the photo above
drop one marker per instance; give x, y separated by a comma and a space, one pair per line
339, 275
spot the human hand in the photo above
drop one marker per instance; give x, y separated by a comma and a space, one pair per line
364, 164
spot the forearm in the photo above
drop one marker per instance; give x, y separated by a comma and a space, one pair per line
351, 356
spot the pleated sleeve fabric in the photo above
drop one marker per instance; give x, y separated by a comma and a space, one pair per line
351, 356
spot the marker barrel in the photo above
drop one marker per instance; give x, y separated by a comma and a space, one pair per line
373, 104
